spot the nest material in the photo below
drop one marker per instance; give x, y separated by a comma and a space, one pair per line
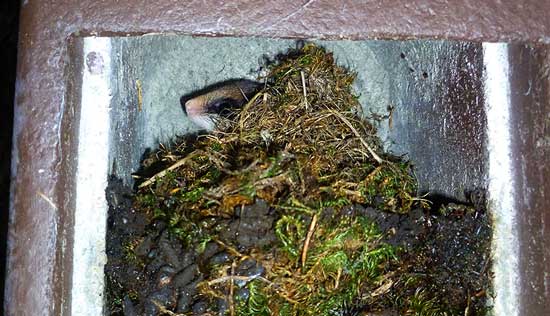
301, 145
301, 137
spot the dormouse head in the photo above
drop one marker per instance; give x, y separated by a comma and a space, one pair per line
205, 106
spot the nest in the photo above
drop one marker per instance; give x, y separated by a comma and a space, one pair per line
301, 138
302, 146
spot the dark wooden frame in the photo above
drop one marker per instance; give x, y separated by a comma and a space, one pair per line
39, 263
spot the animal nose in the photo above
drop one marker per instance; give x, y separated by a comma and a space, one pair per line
183, 102
187, 108
193, 108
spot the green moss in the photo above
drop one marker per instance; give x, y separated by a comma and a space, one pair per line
212, 176
193, 196
248, 190
274, 167
314, 165
290, 230
129, 250
344, 256
216, 146
257, 304
421, 305
336, 203
390, 188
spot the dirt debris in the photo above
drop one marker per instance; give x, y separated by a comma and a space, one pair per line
290, 207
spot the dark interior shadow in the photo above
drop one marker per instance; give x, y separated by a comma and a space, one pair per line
9, 25
474, 197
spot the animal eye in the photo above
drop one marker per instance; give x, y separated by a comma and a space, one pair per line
221, 105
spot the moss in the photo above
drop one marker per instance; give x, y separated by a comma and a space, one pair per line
301, 146
192, 196
390, 187
290, 229
129, 250
256, 304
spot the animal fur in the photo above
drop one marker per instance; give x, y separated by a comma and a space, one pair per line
203, 107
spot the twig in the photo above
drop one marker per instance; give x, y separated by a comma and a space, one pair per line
232, 291
467, 309
308, 239
162, 173
382, 289
47, 199
163, 310
230, 249
304, 88
231, 278
245, 110
139, 95
278, 290
251, 278
345, 120
338, 276
262, 183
